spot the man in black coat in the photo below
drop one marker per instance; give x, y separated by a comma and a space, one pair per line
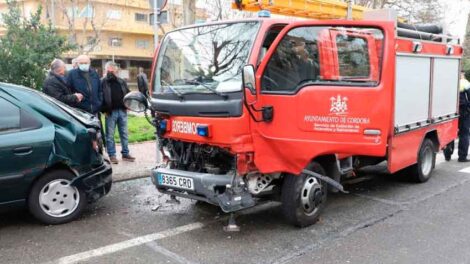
114, 90
55, 85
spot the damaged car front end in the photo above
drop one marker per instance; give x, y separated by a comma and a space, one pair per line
52, 156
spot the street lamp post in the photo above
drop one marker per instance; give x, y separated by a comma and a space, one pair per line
112, 46
156, 12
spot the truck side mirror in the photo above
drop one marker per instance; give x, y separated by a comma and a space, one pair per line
136, 101
249, 83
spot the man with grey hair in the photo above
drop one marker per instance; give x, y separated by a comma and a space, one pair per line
114, 90
55, 85
74, 63
85, 80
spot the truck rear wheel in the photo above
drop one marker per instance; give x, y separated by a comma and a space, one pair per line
303, 197
422, 170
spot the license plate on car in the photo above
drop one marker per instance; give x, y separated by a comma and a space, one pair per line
175, 181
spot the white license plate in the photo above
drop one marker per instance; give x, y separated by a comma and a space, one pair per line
175, 181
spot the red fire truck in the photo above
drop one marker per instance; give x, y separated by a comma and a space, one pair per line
279, 109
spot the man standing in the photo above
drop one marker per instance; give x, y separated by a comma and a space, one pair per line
86, 81
464, 118
142, 82
114, 90
55, 85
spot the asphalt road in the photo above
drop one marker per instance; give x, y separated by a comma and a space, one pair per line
383, 220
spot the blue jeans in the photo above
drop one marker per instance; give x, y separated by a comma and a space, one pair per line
117, 117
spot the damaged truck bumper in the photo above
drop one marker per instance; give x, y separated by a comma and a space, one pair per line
224, 190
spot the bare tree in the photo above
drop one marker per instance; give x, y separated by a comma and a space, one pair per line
414, 11
466, 43
82, 19
221, 10
189, 12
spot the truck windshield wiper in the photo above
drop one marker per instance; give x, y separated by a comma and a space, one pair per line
178, 93
208, 88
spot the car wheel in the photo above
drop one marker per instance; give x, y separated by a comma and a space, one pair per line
53, 201
422, 170
303, 197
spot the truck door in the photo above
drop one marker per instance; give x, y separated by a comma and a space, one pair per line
326, 92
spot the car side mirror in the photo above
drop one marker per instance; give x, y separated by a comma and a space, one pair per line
136, 101
249, 83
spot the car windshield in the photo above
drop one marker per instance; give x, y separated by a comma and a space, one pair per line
205, 59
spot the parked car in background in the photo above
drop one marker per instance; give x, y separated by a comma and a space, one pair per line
50, 156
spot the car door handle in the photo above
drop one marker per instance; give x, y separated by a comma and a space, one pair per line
23, 151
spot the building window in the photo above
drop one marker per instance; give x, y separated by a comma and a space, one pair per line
113, 14
87, 11
142, 44
141, 17
115, 42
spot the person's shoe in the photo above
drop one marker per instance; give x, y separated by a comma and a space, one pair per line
463, 160
128, 158
113, 160
447, 157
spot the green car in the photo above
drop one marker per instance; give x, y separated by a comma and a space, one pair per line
50, 156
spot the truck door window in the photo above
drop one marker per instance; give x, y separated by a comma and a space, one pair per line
324, 56
353, 56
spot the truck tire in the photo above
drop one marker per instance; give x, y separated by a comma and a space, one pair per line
303, 197
422, 170
53, 201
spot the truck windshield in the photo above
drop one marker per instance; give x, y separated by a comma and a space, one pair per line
205, 59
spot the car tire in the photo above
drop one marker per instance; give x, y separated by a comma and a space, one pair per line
422, 170
53, 201
303, 197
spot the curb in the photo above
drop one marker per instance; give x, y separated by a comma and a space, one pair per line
136, 176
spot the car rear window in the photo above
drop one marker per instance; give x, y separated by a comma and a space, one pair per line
10, 117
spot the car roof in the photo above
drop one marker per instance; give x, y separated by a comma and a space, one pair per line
30, 98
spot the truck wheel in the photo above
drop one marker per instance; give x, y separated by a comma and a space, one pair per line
303, 197
422, 171
53, 201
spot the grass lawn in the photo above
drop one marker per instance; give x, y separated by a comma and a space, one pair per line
139, 129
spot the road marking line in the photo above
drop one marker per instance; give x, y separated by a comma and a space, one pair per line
465, 170
172, 255
127, 244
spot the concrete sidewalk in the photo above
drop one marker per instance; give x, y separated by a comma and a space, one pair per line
145, 159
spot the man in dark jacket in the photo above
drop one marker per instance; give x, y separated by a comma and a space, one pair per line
464, 119
142, 82
55, 85
114, 90
86, 81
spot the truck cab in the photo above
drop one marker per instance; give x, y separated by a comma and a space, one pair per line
279, 109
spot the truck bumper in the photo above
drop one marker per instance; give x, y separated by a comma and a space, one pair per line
95, 183
210, 188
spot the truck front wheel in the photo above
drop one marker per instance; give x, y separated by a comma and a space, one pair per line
303, 197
